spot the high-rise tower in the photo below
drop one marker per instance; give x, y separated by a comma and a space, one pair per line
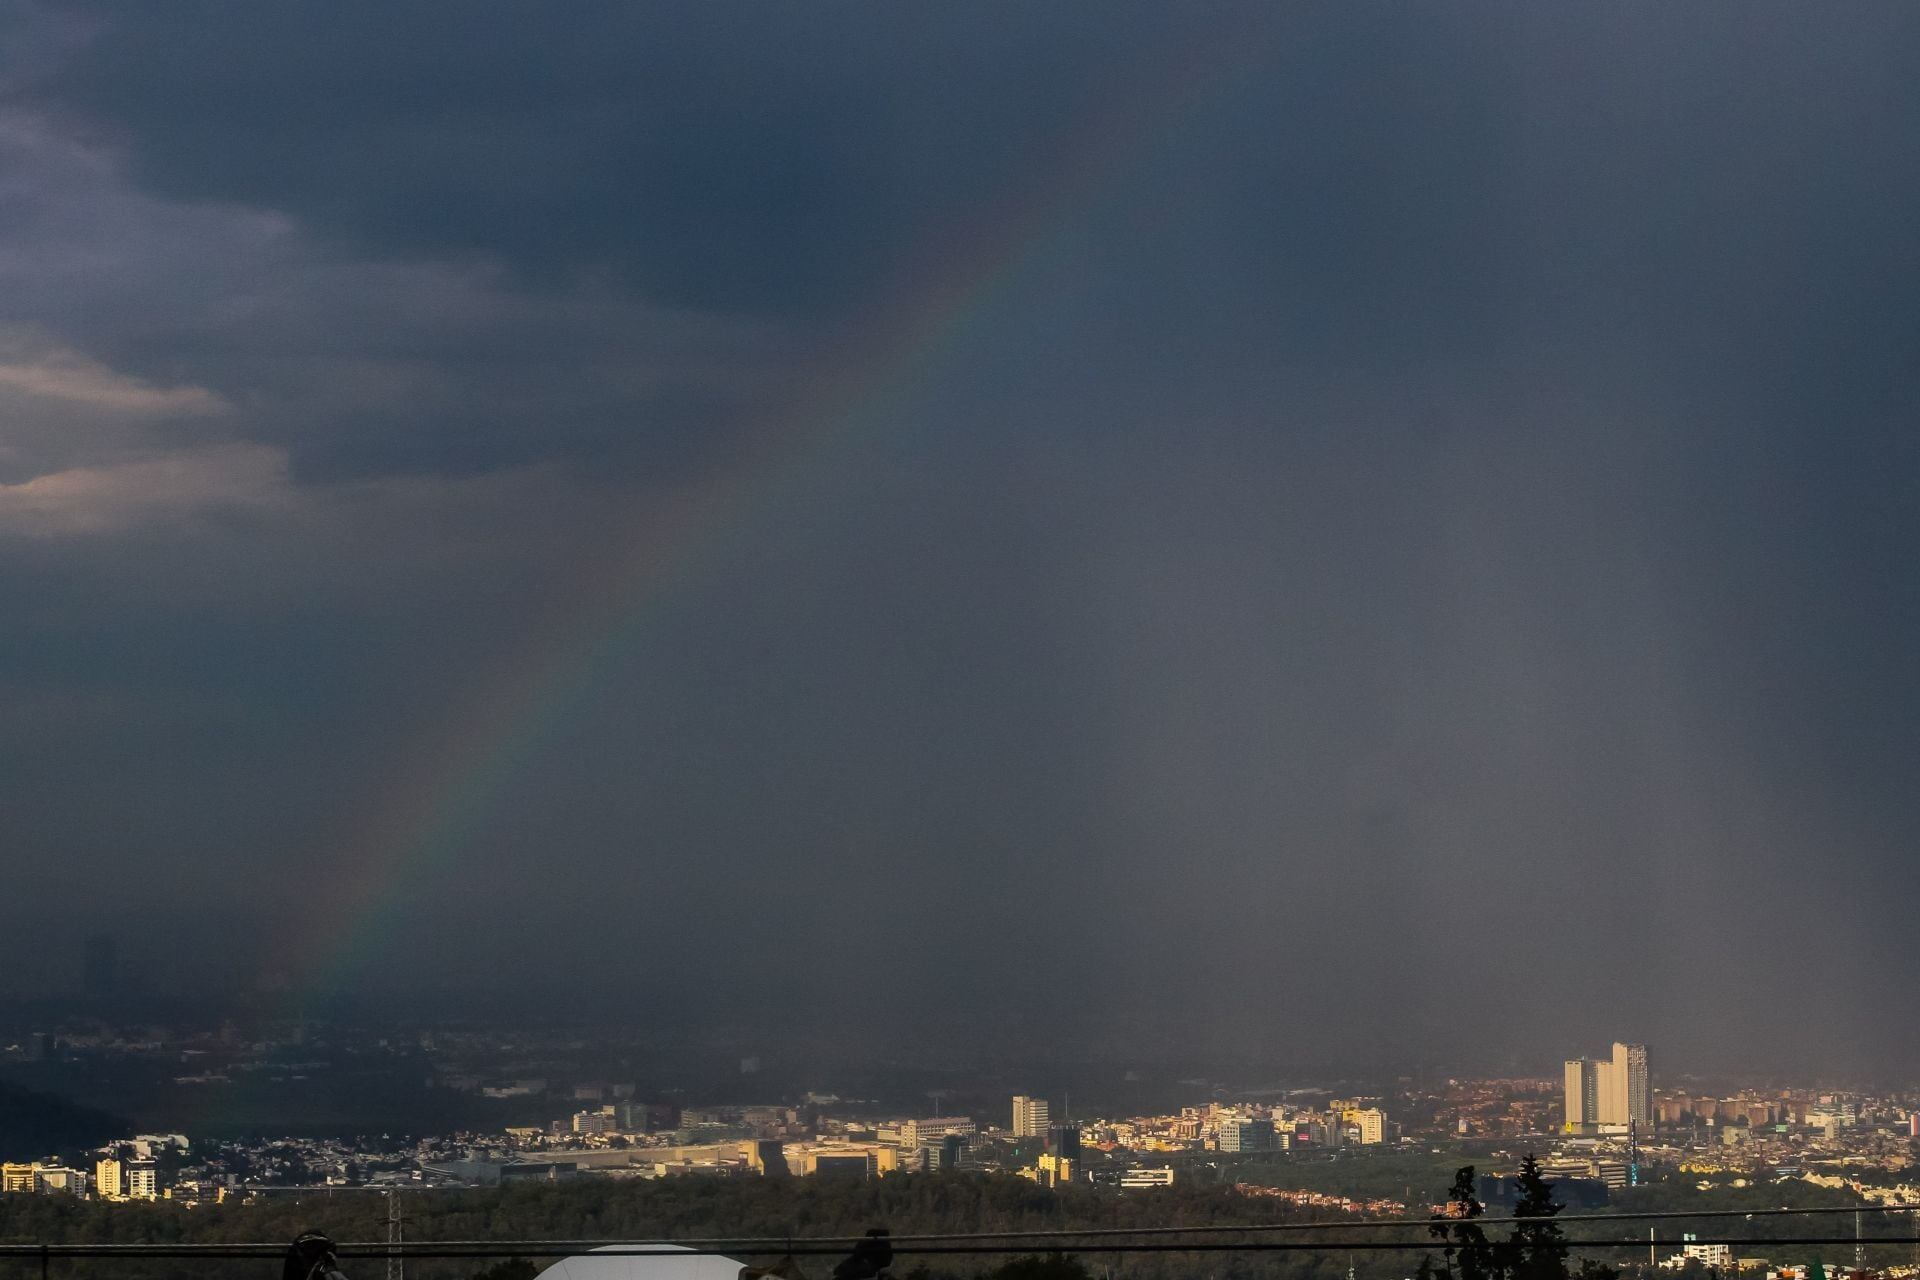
1611, 1093
1583, 1094
1632, 1098
1030, 1116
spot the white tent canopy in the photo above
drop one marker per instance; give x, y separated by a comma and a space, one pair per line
601, 1265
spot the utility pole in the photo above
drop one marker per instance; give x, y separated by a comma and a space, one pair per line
396, 1232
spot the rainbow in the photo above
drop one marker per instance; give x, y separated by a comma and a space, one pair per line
429, 813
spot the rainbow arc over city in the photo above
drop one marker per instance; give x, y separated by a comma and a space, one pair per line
444, 790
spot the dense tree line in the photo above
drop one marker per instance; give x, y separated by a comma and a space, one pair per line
681, 1208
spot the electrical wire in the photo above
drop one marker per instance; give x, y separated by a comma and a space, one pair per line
1083, 1240
535, 1249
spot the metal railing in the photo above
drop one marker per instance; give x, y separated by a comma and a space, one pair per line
1339, 1236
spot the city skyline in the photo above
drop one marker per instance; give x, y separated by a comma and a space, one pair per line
1102, 640
622, 1129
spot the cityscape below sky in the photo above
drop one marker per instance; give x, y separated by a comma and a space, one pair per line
553, 1117
961, 640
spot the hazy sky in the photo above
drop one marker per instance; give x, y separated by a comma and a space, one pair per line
1348, 524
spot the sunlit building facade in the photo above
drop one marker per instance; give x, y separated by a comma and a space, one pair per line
1030, 1116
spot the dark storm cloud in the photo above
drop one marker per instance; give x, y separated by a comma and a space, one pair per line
1434, 496
1623, 193
760, 155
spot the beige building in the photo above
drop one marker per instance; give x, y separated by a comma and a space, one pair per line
1627, 1100
1030, 1116
915, 1132
59, 1178
109, 1179
1051, 1171
1370, 1121
1583, 1093
862, 1159
1611, 1093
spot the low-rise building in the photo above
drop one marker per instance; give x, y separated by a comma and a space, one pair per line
915, 1133
1246, 1134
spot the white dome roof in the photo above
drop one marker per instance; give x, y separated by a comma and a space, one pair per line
601, 1265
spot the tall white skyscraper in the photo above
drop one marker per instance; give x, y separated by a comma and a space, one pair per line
1030, 1116
1633, 1097
1611, 1093
1583, 1093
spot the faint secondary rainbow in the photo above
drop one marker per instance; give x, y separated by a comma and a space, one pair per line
430, 811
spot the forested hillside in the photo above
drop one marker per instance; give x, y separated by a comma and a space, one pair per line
40, 1123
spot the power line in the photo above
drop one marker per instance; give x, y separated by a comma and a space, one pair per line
751, 1243
1084, 1240
549, 1248
1336, 1224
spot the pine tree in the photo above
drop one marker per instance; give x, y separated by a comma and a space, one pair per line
1469, 1254
1537, 1249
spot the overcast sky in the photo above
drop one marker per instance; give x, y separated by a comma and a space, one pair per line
1362, 524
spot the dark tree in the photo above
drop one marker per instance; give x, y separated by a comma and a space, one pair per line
1537, 1249
1469, 1254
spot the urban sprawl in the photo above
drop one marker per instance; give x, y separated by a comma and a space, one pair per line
1603, 1126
